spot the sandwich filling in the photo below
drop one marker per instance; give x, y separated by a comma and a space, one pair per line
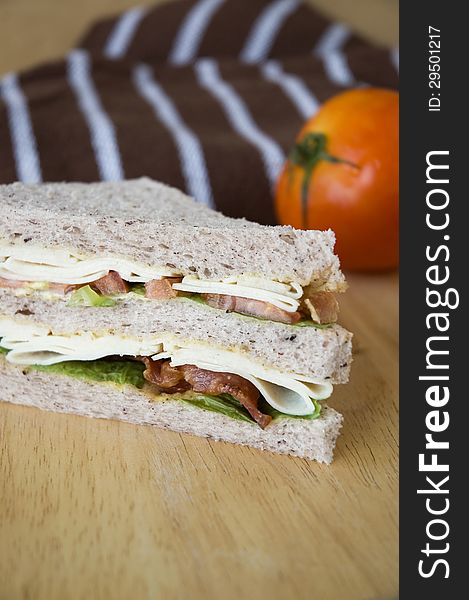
170, 367
32, 269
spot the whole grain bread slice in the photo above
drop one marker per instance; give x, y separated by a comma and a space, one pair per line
312, 439
156, 225
324, 354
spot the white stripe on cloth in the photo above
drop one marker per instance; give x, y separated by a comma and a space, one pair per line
123, 32
329, 50
394, 53
189, 148
101, 128
189, 36
237, 113
293, 86
265, 30
28, 168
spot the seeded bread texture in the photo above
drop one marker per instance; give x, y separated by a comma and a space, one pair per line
321, 353
156, 225
314, 439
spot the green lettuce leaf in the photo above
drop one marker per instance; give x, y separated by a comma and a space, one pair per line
138, 288
130, 372
85, 296
309, 323
120, 372
196, 298
224, 404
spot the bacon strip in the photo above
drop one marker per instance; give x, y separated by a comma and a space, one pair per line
161, 289
251, 308
322, 306
244, 391
110, 284
11, 283
166, 378
189, 377
63, 288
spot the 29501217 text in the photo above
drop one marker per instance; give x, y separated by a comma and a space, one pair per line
434, 69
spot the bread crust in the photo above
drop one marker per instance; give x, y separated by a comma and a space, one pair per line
324, 354
156, 225
311, 439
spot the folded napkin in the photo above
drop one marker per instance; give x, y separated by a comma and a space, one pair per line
205, 95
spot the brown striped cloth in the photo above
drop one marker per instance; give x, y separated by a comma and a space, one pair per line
205, 95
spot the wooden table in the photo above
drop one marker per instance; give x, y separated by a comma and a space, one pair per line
95, 509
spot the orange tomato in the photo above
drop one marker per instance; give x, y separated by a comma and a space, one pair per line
343, 174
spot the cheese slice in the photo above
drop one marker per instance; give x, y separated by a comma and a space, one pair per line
11, 329
37, 264
31, 344
282, 295
58, 257
59, 266
50, 350
289, 393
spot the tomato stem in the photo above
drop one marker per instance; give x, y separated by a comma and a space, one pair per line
307, 153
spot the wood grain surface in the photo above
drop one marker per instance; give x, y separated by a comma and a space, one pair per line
99, 509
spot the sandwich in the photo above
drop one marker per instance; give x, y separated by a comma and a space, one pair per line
131, 301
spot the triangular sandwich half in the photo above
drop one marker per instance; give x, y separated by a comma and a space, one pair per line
129, 300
